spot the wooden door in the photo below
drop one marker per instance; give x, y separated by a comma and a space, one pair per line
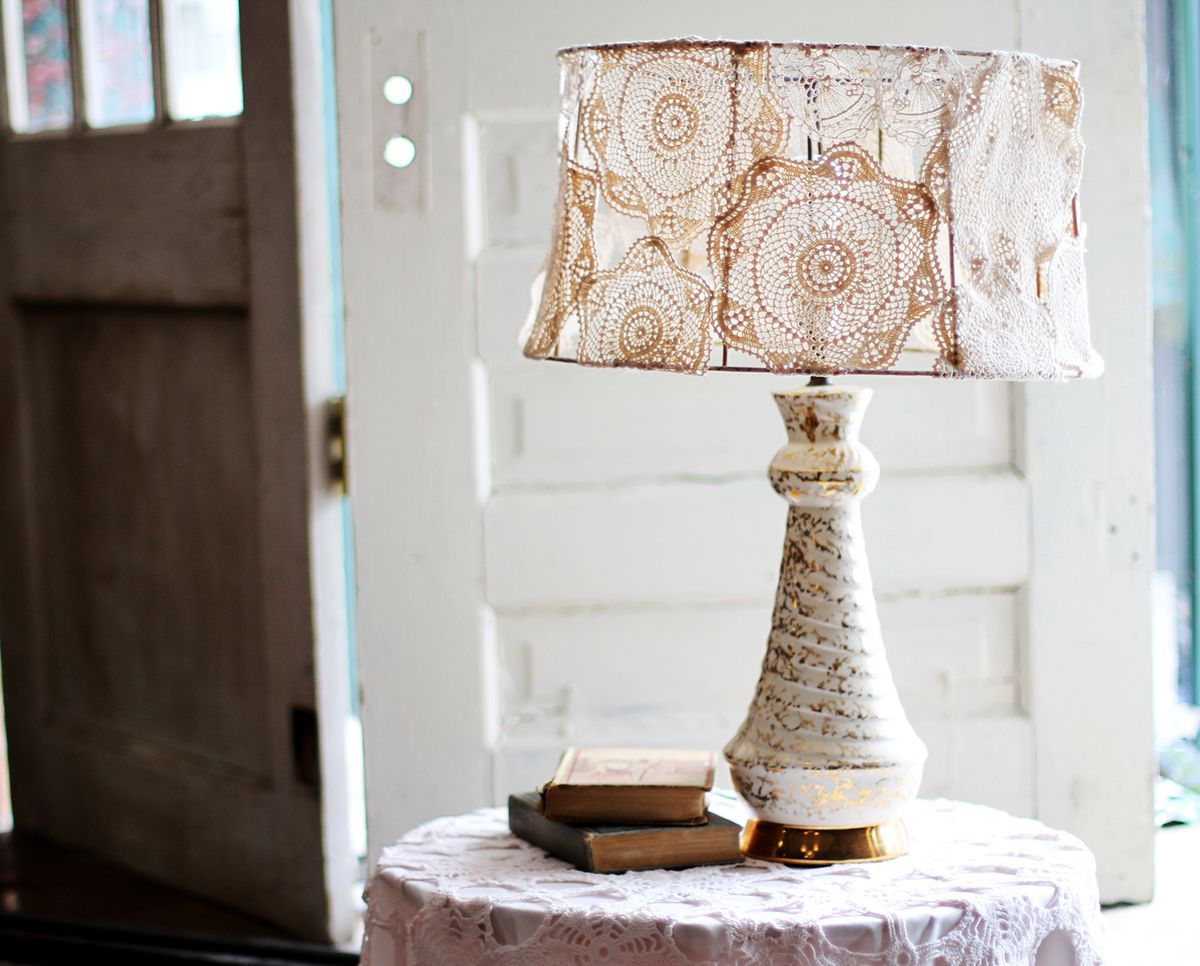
550, 555
171, 591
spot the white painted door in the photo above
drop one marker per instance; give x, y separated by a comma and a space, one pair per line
171, 588
549, 555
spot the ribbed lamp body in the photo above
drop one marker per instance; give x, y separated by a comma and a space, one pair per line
826, 743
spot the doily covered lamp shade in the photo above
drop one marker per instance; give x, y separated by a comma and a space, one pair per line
793, 208
817, 209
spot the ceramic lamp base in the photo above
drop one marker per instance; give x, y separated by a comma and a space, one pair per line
826, 759
797, 845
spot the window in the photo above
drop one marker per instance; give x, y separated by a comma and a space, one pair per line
38, 65
77, 65
114, 41
203, 59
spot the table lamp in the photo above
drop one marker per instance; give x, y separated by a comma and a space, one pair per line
819, 210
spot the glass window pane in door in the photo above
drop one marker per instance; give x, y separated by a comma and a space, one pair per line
202, 58
37, 58
118, 82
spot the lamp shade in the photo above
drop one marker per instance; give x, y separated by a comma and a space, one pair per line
816, 209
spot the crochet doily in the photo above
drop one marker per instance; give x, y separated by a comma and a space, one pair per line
812, 208
979, 887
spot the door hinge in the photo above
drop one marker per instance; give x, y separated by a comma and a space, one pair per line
335, 445
306, 761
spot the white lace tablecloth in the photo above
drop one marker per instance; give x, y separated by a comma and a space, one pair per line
979, 887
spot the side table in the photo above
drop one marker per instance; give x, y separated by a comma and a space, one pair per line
979, 887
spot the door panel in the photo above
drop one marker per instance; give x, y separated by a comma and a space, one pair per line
154, 217
167, 618
140, 432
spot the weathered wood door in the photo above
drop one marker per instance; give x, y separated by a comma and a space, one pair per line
171, 590
550, 555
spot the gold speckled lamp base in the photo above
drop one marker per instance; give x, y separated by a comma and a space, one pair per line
796, 845
825, 760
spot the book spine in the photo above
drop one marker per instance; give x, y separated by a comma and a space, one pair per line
572, 845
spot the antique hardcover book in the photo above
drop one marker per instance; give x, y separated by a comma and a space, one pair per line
629, 786
621, 848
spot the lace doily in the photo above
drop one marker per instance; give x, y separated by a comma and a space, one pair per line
822, 209
980, 888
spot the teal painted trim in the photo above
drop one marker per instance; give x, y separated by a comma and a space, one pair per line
333, 194
351, 606
333, 201
1187, 63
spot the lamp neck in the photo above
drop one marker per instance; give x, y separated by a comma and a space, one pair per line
823, 463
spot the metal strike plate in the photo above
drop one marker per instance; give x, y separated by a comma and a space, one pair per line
335, 445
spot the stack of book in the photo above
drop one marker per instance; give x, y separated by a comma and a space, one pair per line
619, 809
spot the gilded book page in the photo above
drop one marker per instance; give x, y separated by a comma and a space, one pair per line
659, 767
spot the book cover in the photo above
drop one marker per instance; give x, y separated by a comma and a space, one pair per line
629, 786
624, 848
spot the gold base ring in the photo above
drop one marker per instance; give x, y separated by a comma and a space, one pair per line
800, 845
